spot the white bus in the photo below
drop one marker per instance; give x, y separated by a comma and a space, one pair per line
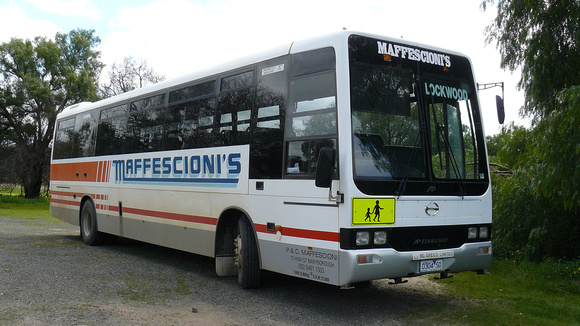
339, 159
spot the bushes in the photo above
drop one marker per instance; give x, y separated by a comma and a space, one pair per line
536, 209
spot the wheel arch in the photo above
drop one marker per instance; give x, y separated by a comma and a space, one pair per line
226, 228
83, 201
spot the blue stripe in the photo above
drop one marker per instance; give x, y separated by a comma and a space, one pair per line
182, 180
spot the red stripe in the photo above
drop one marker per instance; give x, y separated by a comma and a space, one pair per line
79, 194
60, 193
291, 232
172, 216
302, 233
66, 202
262, 228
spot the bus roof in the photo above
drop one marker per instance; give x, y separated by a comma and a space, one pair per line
335, 39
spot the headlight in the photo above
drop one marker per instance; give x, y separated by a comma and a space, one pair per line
483, 232
362, 238
380, 237
472, 232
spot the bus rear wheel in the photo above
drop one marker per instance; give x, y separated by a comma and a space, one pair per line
88, 224
247, 258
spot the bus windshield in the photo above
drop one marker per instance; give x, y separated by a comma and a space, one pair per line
414, 122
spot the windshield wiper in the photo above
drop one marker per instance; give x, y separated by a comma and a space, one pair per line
472, 128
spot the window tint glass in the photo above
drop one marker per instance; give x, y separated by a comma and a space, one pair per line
64, 140
76, 136
111, 131
303, 155
313, 61
85, 134
114, 112
313, 104
148, 103
233, 127
311, 116
145, 131
245, 79
111, 136
266, 151
190, 92
189, 126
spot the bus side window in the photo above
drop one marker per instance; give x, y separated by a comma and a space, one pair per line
64, 140
111, 131
311, 121
266, 150
205, 112
190, 116
145, 125
85, 134
76, 137
230, 128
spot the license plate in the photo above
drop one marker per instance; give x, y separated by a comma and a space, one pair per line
431, 265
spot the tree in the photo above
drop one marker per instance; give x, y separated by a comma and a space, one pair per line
38, 79
540, 37
129, 75
536, 209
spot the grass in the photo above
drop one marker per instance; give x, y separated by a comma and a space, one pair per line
516, 293
17, 206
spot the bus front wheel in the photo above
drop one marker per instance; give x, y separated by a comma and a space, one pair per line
89, 231
247, 258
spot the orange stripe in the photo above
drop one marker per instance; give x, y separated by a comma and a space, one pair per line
74, 171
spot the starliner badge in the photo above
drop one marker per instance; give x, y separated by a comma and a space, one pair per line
432, 209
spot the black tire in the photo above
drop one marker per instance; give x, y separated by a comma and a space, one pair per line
88, 223
247, 256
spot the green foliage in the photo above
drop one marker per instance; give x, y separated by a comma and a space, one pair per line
18, 206
515, 293
536, 208
38, 79
541, 38
536, 200
557, 153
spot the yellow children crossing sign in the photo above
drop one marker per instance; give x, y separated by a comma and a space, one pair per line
373, 210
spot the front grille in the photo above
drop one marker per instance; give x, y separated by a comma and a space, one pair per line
427, 238
414, 238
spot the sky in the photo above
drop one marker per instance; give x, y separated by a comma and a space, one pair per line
176, 37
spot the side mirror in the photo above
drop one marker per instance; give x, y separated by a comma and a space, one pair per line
325, 167
500, 109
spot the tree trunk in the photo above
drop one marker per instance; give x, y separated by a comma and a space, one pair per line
32, 166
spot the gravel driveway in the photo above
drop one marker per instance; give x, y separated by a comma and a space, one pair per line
49, 277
